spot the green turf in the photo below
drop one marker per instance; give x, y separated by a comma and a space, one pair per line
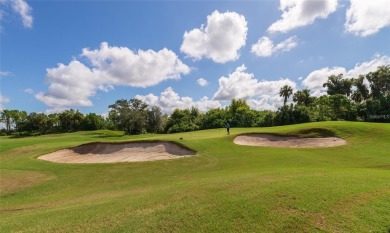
224, 188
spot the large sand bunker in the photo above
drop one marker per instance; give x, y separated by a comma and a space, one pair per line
118, 152
287, 141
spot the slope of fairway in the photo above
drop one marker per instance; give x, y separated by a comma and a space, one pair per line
223, 188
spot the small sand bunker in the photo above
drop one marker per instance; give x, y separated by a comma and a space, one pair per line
287, 141
118, 152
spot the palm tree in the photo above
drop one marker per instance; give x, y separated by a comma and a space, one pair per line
285, 92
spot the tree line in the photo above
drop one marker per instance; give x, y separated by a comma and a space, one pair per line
347, 99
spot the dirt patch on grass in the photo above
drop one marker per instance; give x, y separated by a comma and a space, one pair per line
119, 152
15, 180
272, 140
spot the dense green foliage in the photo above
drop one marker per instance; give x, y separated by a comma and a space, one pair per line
347, 99
223, 188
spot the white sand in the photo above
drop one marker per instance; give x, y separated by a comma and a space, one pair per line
118, 152
271, 140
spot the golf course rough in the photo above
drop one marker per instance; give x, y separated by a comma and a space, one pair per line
273, 140
224, 188
119, 152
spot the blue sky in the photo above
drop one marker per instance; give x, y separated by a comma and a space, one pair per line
85, 55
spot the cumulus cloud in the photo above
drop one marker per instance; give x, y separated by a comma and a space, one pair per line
220, 40
75, 83
202, 82
70, 85
243, 85
265, 47
238, 84
315, 80
122, 66
299, 13
266, 102
364, 18
169, 100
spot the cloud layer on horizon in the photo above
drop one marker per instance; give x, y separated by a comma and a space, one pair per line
315, 80
169, 100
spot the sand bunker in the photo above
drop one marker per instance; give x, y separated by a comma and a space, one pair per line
286, 141
118, 152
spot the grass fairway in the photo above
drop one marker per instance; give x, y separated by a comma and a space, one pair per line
224, 188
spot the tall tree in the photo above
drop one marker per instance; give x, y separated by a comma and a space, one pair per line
361, 93
337, 84
155, 119
70, 120
214, 118
285, 92
342, 108
13, 119
92, 121
303, 97
36, 122
379, 82
180, 121
54, 122
129, 115
237, 110
6, 118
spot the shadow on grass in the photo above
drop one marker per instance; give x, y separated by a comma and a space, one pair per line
314, 133
105, 134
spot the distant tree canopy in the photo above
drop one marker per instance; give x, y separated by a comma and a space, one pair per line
365, 98
133, 117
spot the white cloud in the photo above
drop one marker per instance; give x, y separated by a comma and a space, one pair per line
202, 82
5, 74
29, 91
299, 13
242, 85
169, 100
24, 10
3, 101
220, 40
122, 66
55, 110
315, 80
369, 66
74, 84
238, 84
266, 102
70, 85
265, 47
364, 18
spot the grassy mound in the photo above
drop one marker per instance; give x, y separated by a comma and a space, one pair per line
225, 188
